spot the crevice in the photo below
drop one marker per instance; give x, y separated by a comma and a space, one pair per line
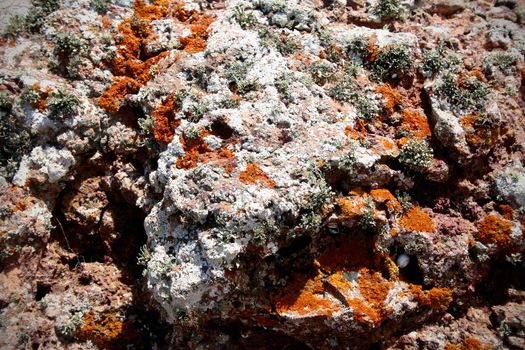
41, 291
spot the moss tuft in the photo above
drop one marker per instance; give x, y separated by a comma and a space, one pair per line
391, 60
389, 9
62, 104
416, 154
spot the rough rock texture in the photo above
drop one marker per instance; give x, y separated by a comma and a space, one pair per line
251, 174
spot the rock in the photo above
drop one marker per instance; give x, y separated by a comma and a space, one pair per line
85, 204
45, 164
443, 7
449, 132
439, 171
510, 184
12, 8
502, 33
262, 174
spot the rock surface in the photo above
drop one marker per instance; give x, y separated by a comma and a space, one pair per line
251, 174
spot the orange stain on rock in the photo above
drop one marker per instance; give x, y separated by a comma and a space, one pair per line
165, 123
391, 96
254, 174
417, 220
416, 123
467, 344
306, 296
478, 134
384, 196
506, 211
495, 230
102, 330
436, 298
374, 289
131, 67
41, 104
197, 152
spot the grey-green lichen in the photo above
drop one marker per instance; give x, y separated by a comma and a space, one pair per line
62, 104
416, 154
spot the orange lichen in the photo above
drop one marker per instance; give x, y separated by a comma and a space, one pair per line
106, 22
358, 132
495, 230
388, 144
196, 42
196, 151
102, 330
115, 94
306, 296
351, 254
330, 288
372, 48
353, 134
463, 77
374, 289
321, 295
506, 211
391, 96
469, 120
229, 164
384, 196
158, 9
417, 220
478, 134
416, 123
21, 205
165, 123
436, 298
467, 344
403, 141
254, 174
41, 104
353, 206
131, 66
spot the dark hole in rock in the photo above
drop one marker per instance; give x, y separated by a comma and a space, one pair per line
501, 276
130, 116
243, 337
84, 280
376, 346
221, 129
233, 87
412, 273
297, 245
87, 248
42, 290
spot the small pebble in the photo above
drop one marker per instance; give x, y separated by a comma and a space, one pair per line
402, 261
